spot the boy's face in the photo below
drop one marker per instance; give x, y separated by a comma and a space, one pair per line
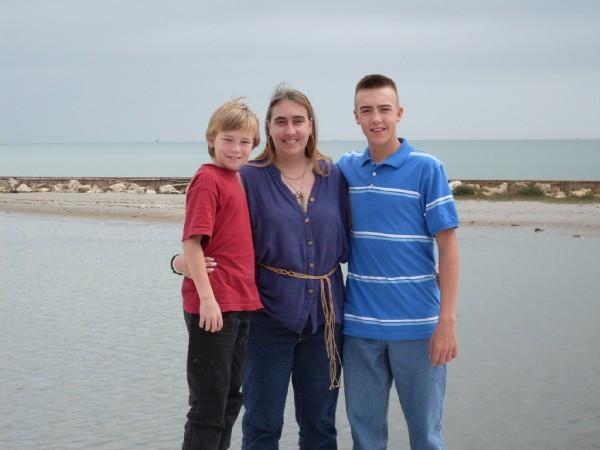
289, 128
377, 111
232, 148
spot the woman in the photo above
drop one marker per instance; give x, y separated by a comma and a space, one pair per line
298, 211
297, 203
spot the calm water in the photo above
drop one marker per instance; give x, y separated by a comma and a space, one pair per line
493, 159
93, 340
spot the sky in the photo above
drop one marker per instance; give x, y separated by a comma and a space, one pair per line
137, 71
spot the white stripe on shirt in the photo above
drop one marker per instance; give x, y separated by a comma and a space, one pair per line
389, 322
391, 237
383, 190
438, 202
393, 280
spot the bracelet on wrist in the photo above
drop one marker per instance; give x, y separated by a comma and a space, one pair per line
173, 268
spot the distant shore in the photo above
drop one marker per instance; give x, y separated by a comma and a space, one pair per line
549, 189
579, 219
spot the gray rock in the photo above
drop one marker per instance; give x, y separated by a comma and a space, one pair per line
501, 189
73, 185
581, 193
136, 189
546, 188
454, 184
118, 187
24, 188
167, 189
5, 186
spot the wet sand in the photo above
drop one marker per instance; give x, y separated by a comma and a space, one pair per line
124, 206
576, 218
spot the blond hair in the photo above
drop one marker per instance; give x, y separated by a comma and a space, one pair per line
268, 156
230, 116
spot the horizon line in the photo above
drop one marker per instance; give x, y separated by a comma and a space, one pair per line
159, 141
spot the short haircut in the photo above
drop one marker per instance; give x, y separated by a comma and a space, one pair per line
230, 116
375, 81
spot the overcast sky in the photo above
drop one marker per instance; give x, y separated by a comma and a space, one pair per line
119, 70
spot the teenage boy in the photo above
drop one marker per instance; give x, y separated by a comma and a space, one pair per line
216, 311
399, 323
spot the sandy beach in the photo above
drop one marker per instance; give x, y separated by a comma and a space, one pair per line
576, 218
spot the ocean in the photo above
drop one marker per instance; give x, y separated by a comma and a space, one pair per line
93, 340
574, 159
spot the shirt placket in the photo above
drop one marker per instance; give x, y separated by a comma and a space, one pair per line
372, 175
311, 264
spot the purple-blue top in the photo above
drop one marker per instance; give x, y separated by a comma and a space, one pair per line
287, 237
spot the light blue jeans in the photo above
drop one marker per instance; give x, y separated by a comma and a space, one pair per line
370, 366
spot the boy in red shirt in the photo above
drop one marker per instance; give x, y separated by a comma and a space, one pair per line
216, 310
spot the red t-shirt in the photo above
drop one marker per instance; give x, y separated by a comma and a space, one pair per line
216, 208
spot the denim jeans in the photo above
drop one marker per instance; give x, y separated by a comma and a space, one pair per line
369, 367
214, 374
275, 354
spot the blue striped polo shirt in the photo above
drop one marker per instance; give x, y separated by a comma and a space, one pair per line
397, 206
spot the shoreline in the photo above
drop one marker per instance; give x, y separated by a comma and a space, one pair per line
562, 190
579, 219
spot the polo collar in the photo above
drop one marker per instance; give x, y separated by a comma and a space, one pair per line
395, 159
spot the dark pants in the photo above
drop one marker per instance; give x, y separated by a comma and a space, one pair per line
275, 354
214, 374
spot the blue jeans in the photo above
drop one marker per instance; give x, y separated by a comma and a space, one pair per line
274, 354
369, 367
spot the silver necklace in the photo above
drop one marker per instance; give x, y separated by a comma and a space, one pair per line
294, 179
291, 182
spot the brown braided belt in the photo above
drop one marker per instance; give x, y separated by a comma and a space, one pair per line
329, 313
